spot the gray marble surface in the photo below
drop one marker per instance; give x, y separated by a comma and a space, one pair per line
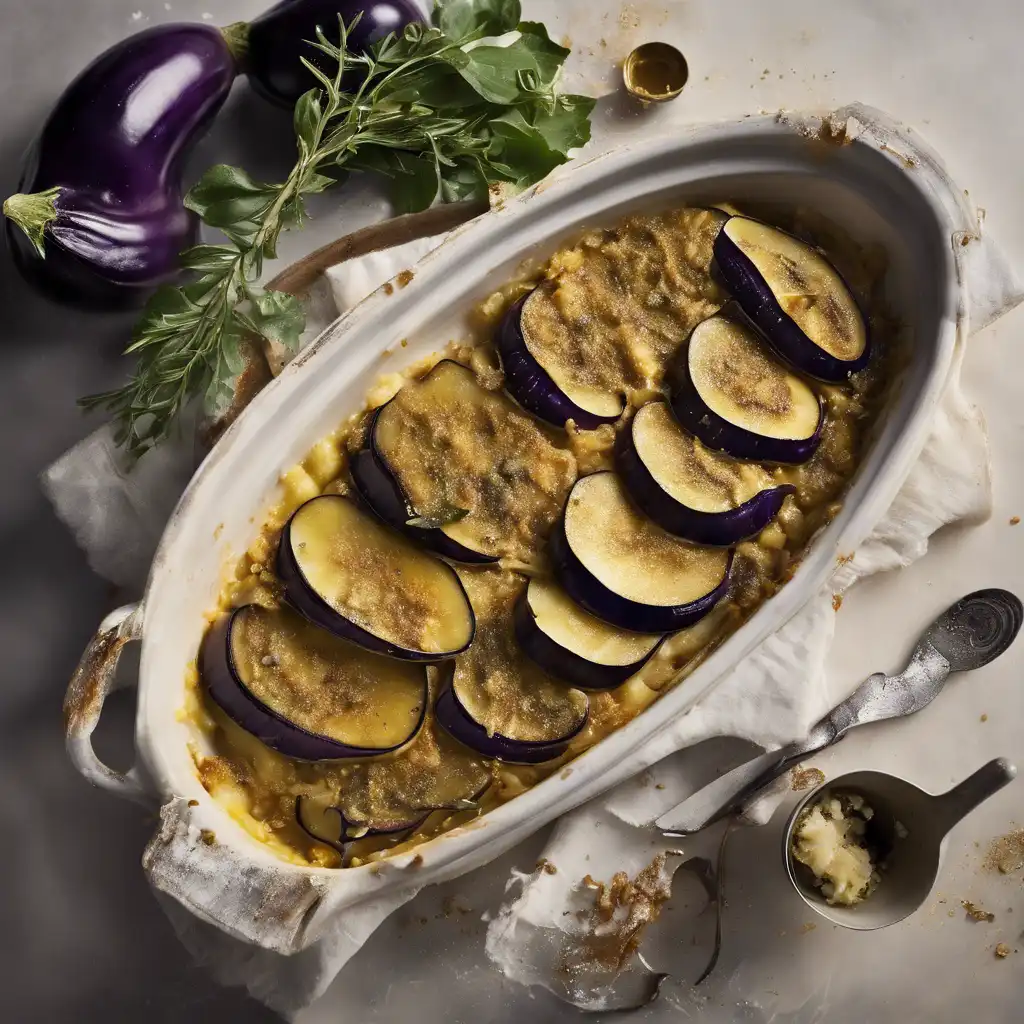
81, 936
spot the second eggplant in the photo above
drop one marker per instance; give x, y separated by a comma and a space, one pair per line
277, 41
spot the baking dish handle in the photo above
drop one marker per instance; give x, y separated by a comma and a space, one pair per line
93, 681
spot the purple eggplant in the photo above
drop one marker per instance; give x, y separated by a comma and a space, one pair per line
796, 297
99, 219
625, 570
350, 575
689, 490
573, 645
734, 398
452, 714
327, 824
377, 486
277, 41
306, 693
497, 701
531, 385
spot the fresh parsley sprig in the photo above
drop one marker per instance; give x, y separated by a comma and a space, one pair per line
442, 110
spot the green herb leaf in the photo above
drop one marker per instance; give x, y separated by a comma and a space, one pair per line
278, 317
209, 257
519, 151
547, 54
465, 19
415, 177
443, 517
220, 392
463, 181
307, 118
226, 195
495, 71
568, 125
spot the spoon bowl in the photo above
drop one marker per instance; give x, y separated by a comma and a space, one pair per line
908, 834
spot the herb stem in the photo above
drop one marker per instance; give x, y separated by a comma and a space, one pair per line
434, 116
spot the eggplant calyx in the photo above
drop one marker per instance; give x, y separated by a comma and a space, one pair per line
236, 39
32, 212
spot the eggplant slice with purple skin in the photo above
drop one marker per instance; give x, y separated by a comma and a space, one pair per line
544, 390
462, 469
735, 398
326, 823
279, 39
349, 574
796, 297
689, 490
307, 694
379, 489
573, 645
626, 570
99, 219
498, 702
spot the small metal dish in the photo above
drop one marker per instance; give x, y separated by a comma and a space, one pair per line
908, 832
655, 72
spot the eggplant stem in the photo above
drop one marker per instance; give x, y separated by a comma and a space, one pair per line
236, 39
32, 212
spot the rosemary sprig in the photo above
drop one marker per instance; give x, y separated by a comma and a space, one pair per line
440, 110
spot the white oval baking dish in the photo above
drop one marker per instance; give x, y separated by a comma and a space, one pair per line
235, 882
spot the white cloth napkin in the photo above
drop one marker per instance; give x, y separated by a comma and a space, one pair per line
773, 697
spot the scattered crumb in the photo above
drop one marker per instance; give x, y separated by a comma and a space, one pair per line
808, 926
423, 920
546, 866
975, 913
417, 861
208, 836
566, 773
136, 15
659, 785
389, 288
984, 718
843, 559
1002, 951
405, 343
805, 778
1006, 853
193, 803
1014, 520
455, 905
615, 924
837, 602
951, 913
404, 278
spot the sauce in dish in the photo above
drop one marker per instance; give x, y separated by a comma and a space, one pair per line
521, 542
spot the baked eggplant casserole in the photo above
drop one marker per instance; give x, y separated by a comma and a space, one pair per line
520, 543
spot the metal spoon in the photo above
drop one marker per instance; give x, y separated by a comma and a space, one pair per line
970, 634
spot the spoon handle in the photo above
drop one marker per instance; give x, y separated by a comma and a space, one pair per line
957, 803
